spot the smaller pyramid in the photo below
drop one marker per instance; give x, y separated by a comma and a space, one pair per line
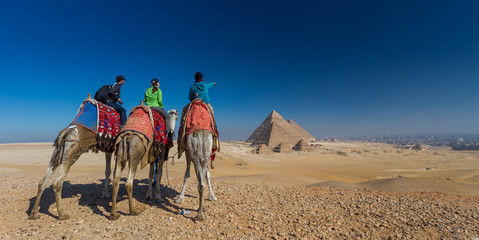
262, 149
283, 148
303, 146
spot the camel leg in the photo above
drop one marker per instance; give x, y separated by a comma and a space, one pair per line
135, 158
212, 195
41, 187
116, 182
200, 174
187, 176
159, 174
150, 181
106, 194
129, 190
57, 185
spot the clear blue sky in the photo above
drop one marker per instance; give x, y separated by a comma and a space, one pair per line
338, 68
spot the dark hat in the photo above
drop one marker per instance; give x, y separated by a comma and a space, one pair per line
119, 78
154, 81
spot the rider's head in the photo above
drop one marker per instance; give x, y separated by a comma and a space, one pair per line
198, 77
120, 79
155, 82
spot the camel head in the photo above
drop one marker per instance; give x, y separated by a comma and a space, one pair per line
173, 117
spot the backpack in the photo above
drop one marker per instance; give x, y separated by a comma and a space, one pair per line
102, 94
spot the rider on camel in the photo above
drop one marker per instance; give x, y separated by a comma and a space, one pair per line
114, 97
154, 99
201, 88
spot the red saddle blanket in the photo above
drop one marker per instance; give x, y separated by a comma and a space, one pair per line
196, 116
109, 120
140, 121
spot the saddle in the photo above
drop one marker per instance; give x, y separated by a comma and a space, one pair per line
151, 126
195, 116
100, 119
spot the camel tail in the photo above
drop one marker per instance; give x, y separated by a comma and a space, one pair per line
129, 152
59, 144
125, 153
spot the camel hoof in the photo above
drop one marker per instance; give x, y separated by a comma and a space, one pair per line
149, 198
114, 216
179, 200
105, 195
160, 200
34, 216
213, 198
198, 218
63, 217
136, 212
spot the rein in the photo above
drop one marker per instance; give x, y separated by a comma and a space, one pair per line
173, 158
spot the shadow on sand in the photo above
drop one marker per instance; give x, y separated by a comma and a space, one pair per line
90, 195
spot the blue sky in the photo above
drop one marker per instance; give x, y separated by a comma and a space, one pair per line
338, 68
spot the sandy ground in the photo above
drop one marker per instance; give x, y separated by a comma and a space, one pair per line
342, 190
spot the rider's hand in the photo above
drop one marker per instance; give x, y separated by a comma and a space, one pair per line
119, 101
215, 84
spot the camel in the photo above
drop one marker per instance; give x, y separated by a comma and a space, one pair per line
198, 151
130, 150
197, 129
70, 143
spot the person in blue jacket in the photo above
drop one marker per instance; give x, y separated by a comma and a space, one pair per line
201, 88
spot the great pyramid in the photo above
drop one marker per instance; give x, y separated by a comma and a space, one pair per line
275, 130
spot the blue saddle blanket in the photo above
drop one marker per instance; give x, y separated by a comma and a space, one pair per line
87, 117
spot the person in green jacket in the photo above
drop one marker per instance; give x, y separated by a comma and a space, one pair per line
154, 99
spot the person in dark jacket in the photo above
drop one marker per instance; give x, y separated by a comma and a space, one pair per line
114, 97
201, 88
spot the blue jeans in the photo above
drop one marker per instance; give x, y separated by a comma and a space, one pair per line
120, 110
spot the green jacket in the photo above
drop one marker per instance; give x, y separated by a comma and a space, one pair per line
153, 99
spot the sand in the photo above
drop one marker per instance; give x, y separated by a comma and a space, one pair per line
340, 190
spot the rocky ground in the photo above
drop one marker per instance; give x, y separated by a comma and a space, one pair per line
243, 211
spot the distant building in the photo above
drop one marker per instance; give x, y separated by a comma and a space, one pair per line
274, 130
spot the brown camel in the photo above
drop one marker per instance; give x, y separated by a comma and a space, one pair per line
70, 143
130, 150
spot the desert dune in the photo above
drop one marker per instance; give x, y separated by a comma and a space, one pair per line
339, 190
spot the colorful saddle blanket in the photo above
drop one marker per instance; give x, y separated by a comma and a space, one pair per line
195, 116
140, 121
151, 124
100, 119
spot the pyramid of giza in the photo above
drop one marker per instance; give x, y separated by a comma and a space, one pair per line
275, 130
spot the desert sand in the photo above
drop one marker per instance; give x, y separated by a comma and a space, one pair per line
341, 190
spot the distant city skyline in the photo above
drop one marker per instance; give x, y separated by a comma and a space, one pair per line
337, 68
